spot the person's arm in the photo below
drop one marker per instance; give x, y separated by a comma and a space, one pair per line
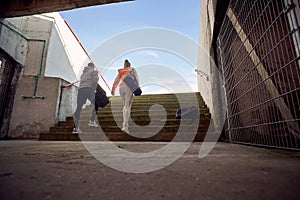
116, 83
95, 79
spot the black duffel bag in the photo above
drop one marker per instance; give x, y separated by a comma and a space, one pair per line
131, 82
101, 100
188, 113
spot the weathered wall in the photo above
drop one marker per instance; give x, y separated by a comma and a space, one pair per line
34, 61
204, 56
210, 87
10, 72
207, 19
38, 32
66, 101
31, 116
33, 27
14, 44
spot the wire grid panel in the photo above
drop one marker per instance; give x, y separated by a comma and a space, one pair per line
258, 54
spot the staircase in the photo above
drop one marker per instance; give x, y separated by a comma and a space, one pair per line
153, 118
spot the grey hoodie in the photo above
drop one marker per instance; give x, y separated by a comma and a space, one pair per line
89, 78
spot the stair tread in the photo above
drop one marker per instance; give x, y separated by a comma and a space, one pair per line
167, 125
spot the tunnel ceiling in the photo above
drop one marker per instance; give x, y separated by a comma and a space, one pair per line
15, 8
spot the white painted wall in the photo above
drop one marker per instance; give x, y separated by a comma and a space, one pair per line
66, 58
58, 63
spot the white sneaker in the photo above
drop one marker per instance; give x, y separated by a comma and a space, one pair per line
93, 124
125, 130
76, 130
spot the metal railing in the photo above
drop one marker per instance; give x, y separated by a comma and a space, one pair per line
258, 55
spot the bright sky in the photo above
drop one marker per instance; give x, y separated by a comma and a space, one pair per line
97, 25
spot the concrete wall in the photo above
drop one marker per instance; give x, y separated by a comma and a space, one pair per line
10, 73
67, 101
37, 31
32, 116
14, 44
34, 61
210, 86
33, 27
204, 52
45, 52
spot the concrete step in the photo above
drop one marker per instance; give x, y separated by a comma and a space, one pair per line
163, 96
145, 117
134, 129
143, 111
136, 115
163, 103
164, 137
147, 105
141, 125
140, 122
204, 118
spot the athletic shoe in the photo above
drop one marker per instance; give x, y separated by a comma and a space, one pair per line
125, 130
76, 130
93, 124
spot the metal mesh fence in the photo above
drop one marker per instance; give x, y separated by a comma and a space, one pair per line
258, 54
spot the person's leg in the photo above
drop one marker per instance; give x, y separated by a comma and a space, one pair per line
81, 99
94, 114
93, 118
126, 96
91, 98
95, 111
122, 94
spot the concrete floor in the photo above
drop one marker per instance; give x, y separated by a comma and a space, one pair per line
66, 170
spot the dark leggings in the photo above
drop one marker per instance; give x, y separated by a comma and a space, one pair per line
83, 95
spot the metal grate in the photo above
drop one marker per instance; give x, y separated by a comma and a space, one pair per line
258, 55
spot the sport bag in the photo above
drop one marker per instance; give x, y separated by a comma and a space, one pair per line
101, 100
131, 82
187, 113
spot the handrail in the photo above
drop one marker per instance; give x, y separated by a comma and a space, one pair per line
69, 85
99, 72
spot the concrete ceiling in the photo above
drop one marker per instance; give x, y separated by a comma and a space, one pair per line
15, 8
